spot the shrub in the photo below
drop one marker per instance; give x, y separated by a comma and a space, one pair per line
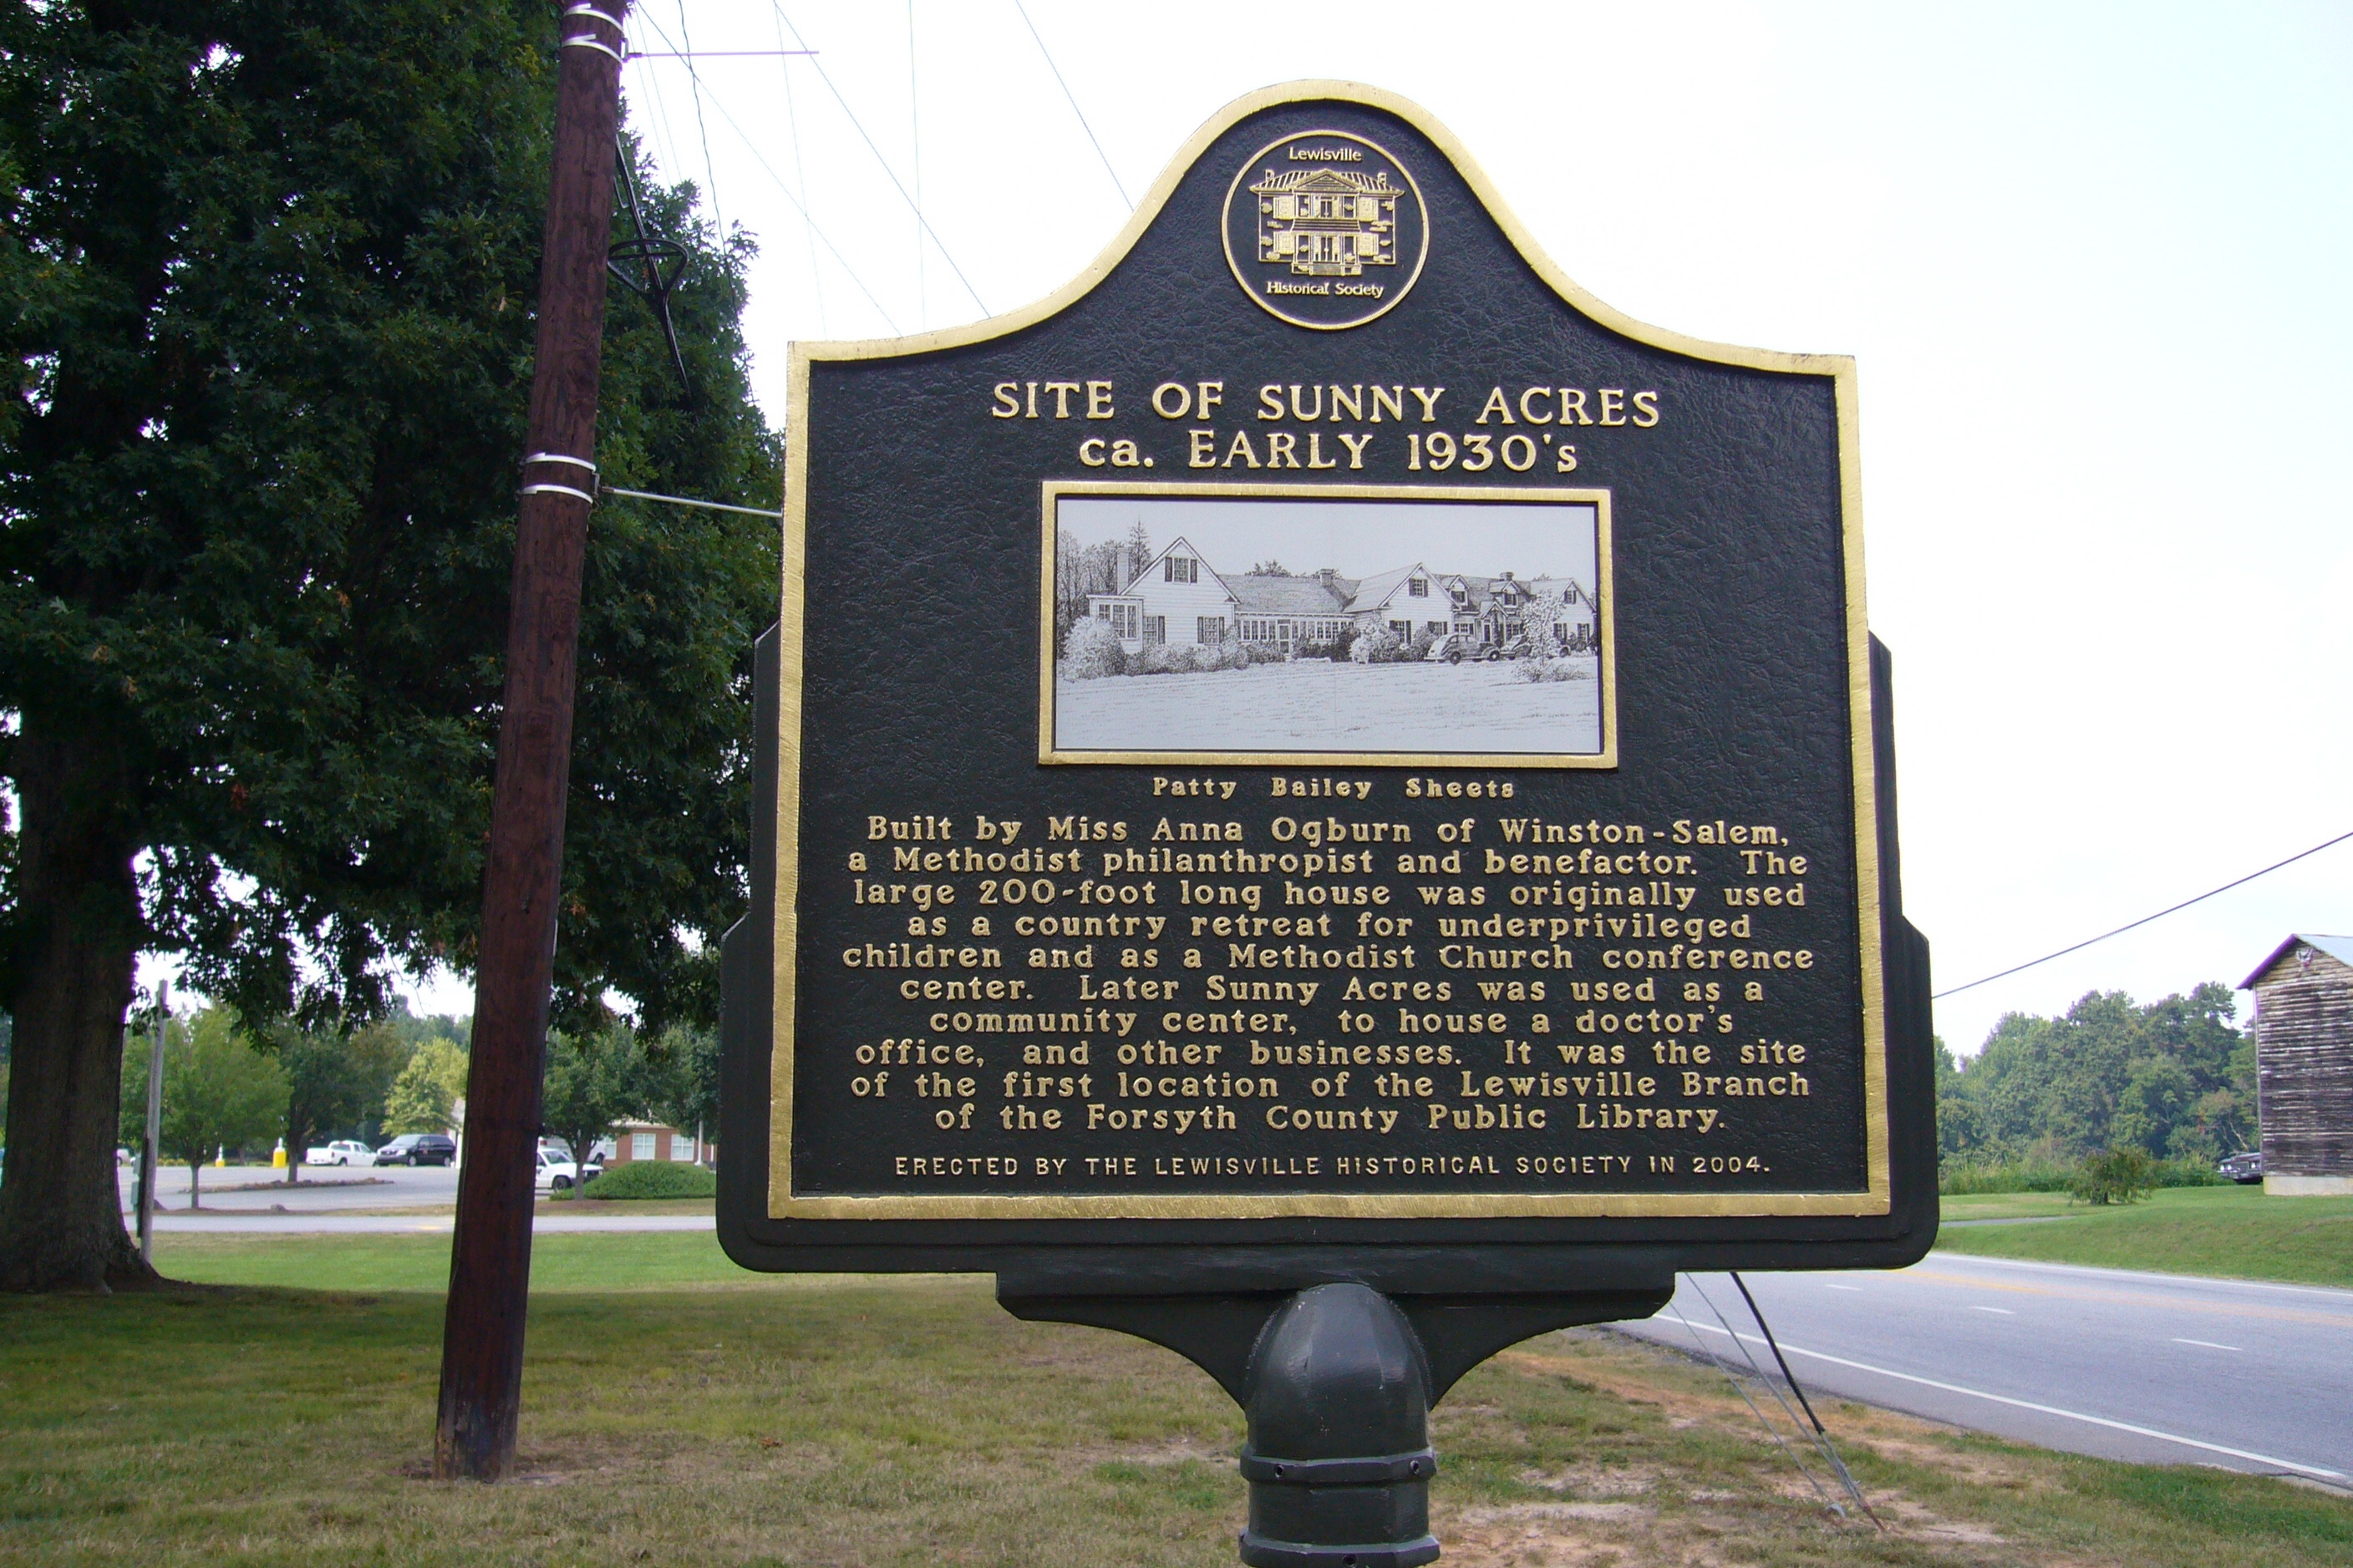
2118, 1176
2025, 1176
1417, 649
653, 1179
1092, 650
1346, 641
1556, 670
1263, 653
1379, 646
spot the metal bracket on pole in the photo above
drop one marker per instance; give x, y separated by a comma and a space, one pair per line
650, 268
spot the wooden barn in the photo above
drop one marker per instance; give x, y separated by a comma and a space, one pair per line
2304, 1064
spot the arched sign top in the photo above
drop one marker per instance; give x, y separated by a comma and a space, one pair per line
1428, 128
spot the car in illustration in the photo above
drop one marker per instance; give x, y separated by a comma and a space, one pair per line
341, 1152
2244, 1168
419, 1148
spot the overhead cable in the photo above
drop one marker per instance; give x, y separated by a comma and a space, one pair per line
695, 79
1074, 105
800, 173
896, 184
916, 141
753, 147
2144, 920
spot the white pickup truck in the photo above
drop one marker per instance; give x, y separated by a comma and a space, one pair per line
341, 1152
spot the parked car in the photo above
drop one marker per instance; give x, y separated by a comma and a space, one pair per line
558, 1174
1454, 647
418, 1149
2243, 1168
341, 1152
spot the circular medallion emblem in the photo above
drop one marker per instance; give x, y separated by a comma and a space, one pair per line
1325, 229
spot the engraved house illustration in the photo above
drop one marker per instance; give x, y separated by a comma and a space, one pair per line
1327, 222
1178, 597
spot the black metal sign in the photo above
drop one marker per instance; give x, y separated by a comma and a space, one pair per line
1322, 751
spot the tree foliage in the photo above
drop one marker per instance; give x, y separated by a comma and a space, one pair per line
2174, 1079
219, 1093
424, 1098
267, 273
595, 1077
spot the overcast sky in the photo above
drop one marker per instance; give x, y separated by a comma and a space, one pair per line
2092, 260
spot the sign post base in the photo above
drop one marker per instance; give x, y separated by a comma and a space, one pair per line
1337, 1380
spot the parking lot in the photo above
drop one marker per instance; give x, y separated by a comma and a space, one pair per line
324, 1189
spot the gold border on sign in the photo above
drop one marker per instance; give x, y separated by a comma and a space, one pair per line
1872, 1198
1226, 233
1604, 585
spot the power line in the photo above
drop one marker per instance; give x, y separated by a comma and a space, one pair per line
2145, 919
800, 173
1074, 104
915, 138
896, 184
753, 148
695, 79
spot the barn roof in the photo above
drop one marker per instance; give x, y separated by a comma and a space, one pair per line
2339, 948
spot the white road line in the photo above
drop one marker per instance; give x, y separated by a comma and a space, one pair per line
2046, 1409
2209, 1344
2003, 1310
1827, 1286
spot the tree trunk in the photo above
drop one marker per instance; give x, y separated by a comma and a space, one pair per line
195, 1184
77, 939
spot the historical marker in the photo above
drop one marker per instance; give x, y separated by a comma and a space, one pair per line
1322, 755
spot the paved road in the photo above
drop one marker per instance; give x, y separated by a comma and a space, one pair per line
2152, 1367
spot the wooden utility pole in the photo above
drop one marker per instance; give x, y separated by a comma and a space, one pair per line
490, 1258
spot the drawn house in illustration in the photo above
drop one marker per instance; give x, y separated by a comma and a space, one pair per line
1177, 598
1325, 222
2304, 1064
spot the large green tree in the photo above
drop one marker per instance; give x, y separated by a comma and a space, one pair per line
266, 270
2171, 1078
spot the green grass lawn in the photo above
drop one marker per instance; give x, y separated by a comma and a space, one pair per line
679, 1411
2234, 1231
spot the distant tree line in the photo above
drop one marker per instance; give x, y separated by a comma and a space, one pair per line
236, 1089
2174, 1078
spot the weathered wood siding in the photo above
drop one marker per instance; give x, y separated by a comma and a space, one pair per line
2304, 1056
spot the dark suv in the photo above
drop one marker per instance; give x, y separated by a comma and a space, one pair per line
418, 1149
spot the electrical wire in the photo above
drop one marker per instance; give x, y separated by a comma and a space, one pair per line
916, 140
800, 173
2134, 925
1074, 104
896, 184
684, 49
720, 109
